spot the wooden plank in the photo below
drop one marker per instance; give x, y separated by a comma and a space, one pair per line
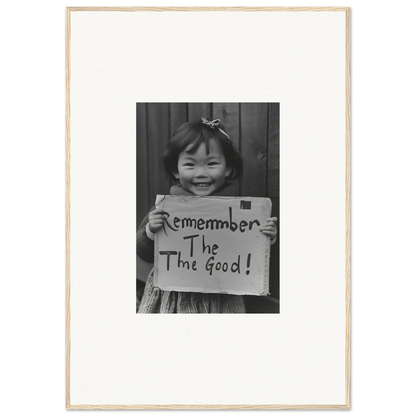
198, 110
253, 148
142, 185
261, 304
273, 150
229, 114
158, 136
178, 115
274, 281
273, 170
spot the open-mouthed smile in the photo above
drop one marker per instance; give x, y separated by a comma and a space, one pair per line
202, 184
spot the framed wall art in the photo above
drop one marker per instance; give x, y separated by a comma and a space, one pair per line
208, 208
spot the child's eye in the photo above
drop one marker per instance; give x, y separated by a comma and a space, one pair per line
212, 163
189, 164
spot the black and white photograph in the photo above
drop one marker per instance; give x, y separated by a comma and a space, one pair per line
227, 258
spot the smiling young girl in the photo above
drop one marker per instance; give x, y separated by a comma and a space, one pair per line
202, 159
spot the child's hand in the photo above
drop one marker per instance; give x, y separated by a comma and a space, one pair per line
270, 228
156, 219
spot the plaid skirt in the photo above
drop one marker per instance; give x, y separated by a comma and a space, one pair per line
156, 300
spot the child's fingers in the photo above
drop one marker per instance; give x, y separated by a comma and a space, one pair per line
271, 221
155, 225
157, 218
269, 226
159, 211
268, 229
158, 221
158, 215
269, 233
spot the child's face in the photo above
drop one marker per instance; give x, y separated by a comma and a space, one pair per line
200, 173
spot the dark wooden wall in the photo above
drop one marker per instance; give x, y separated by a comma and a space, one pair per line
254, 130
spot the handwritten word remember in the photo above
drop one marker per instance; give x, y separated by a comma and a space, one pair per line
212, 224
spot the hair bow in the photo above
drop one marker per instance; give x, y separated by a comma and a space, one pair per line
213, 124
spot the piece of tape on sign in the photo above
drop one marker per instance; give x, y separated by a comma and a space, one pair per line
245, 205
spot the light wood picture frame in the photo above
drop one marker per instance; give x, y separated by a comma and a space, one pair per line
299, 57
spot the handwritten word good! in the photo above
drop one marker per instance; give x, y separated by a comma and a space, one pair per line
211, 263
212, 224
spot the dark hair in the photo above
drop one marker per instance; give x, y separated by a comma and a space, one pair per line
196, 134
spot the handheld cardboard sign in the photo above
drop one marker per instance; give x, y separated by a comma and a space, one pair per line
213, 245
